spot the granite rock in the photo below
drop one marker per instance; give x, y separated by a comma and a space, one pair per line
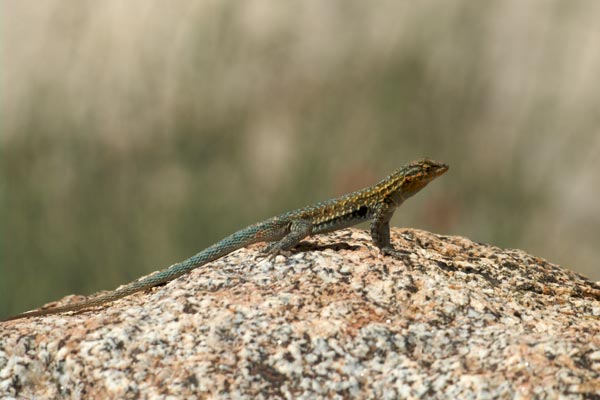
335, 319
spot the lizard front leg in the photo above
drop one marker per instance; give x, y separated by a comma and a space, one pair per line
380, 230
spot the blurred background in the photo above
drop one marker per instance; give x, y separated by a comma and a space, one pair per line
134, 134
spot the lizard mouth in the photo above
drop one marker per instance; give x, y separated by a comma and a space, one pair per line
440, 169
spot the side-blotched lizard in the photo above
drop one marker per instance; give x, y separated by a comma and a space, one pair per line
376, 203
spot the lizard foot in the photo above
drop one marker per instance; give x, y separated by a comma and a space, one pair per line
271, 251
398, 254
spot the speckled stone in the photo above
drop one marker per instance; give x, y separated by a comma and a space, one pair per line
453, 319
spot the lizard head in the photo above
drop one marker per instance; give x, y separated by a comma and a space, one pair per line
413, 177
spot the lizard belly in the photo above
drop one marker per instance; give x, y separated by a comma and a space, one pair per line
345, 220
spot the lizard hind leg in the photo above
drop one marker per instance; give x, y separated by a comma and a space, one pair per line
298, 230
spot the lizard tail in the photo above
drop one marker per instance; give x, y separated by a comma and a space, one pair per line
225, 246
136, 286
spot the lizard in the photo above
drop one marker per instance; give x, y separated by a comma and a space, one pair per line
376, 203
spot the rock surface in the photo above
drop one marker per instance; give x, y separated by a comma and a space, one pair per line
454, 319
